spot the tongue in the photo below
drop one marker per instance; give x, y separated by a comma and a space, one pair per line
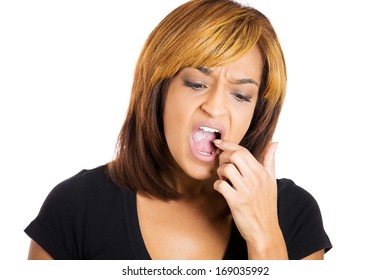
203, 141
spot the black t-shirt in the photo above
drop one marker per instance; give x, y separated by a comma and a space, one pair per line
88, 217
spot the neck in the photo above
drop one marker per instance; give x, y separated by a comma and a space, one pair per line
198, 195
191, 188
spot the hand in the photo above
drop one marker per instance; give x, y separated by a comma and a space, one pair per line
252, 198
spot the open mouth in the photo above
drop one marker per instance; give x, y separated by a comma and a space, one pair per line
203, 139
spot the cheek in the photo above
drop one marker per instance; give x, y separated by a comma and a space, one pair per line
177, 115
241, 121
176, 110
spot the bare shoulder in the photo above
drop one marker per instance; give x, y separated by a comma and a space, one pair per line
319, 255
36, 252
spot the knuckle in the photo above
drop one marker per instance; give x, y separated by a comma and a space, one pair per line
217, 185
222, 156
235, 155
220, 171
229, 168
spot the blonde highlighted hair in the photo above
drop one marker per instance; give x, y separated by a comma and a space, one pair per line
199, 33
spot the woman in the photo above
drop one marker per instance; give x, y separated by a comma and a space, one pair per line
194, 173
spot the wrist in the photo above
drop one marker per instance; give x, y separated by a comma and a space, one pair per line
268, 248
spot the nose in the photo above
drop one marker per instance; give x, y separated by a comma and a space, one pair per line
214, 104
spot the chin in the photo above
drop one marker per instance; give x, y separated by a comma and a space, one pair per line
200, 172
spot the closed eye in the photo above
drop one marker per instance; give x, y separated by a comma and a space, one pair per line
194, 85
241, 97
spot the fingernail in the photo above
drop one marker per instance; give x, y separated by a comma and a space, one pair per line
217, 141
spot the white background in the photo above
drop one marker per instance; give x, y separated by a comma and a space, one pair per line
66, 71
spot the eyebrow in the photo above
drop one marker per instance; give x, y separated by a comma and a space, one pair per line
204, 70
208, 71
246, 81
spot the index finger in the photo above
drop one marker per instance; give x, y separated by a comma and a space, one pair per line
226, 145
235, 154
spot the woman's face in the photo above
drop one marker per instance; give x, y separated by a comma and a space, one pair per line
203, 104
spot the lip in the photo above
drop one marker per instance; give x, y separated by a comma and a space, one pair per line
195, 153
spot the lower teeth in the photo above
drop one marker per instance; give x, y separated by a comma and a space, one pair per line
203, 153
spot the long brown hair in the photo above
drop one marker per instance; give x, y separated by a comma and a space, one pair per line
198, 33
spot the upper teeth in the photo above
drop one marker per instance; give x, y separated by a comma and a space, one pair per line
209, 129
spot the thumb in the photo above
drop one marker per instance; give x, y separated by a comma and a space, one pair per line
269, 159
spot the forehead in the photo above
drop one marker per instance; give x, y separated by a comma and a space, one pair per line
248, 66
